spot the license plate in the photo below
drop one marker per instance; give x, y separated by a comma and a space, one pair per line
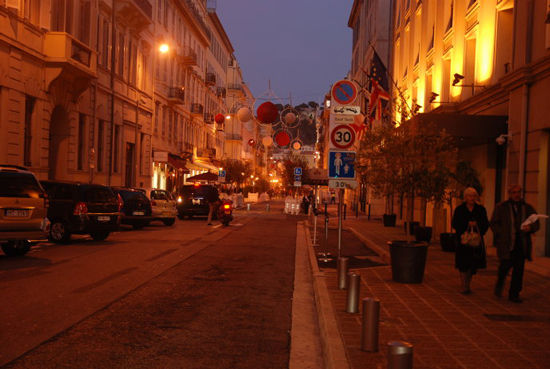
228, 212
103, 218
196, 201
139, 213
17, 213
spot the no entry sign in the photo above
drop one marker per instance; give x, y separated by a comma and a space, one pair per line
344, 92
342, 136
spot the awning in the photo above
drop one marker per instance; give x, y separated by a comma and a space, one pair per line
469, 130
205, 165
177, 162
316, 177
207, 177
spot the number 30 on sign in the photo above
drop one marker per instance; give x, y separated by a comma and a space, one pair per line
342, 136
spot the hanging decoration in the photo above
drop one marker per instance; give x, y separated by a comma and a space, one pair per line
251, 142
219, 118
244, 114
267, 141
289, 116
296, 144
267, 113
281, 138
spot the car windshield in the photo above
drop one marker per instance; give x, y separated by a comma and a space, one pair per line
158, 195
98, 194
131, 195
197, 191
19, 185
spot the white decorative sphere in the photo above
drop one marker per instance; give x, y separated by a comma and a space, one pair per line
244, 114
267, 141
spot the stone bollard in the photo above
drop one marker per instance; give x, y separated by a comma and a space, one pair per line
248, 207
369, 325
267, 207
342, 273
400, 355
326, 228
354, 284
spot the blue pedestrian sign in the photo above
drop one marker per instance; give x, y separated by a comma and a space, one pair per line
221, 175
297, 178
298, 171
341, 164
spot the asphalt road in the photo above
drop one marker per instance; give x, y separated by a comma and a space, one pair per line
187, 296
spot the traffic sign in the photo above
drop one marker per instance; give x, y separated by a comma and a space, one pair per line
297, 178
342, 183
341, 164
344, 92
346, 109
298, 171
342, 136
221, 176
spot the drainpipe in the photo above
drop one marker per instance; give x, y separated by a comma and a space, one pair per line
113, 51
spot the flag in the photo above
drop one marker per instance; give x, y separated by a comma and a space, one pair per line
379, 87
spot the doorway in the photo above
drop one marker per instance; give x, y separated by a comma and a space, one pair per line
59, 143
129, 170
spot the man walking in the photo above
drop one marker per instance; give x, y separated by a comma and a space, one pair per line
213, 198
512, 240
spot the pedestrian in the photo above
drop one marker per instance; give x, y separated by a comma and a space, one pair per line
470, 222
512, 240
332, 197
213, 199
305, 203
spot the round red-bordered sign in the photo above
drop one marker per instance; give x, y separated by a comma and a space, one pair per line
342, 136
344, 92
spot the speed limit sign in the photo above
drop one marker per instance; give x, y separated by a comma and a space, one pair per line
342, 136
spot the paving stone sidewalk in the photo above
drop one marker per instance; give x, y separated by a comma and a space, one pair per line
448, 329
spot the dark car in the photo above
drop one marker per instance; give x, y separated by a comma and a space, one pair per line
136, 208
81, 209
193, 200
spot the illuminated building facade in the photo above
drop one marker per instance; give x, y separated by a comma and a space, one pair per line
481, 68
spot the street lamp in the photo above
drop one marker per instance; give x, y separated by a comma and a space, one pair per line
164, 48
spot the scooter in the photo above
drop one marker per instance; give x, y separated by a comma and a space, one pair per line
225, 211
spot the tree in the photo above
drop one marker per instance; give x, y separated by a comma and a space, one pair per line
290, 162
236, 170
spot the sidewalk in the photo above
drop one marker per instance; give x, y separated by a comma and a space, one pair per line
448, 329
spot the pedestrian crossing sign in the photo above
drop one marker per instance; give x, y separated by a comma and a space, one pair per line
341, 164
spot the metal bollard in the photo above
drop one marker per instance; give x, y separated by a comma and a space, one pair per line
354, 284
248, 207
326, 228
326, 212
345, 207
369, 325
267, 207
400, 355
342, 273
315, 229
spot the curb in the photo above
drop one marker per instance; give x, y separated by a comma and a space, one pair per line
334, 352
384, 254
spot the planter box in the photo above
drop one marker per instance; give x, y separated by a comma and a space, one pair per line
408, 261
423, 233
389, 220
448, 241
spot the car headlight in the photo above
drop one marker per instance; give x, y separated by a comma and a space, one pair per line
180, 199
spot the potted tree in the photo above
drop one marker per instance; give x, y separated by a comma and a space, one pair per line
420, 153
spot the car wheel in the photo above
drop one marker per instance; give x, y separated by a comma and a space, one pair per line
169, 222
59, 232
99, 236
16, 248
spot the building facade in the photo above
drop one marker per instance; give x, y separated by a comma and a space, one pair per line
481, 69
88, 94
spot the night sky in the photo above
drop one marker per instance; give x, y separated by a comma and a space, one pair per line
302, 46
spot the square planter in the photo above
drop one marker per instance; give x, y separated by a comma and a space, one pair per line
389, 220
448, 241
408, 261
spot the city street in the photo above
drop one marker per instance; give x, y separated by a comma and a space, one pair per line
188, 296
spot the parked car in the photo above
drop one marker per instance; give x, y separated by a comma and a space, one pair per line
23, 206
192, 200
163, 206
81, 209
136, 207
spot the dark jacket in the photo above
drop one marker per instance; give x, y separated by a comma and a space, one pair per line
470, 258
463, 216
502, 224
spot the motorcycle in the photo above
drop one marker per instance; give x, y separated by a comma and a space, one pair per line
225, 211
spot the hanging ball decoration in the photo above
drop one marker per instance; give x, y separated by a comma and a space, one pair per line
282, 138
267, 141
219, 118
267, 112
290, 118
244, 114
296, 145
251, 142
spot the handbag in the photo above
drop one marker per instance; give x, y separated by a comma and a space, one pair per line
471, 237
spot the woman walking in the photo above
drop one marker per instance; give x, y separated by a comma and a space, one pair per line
471, 223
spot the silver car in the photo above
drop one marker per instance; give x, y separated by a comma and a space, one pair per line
163, 206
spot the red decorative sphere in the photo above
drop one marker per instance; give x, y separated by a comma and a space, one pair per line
267, 112
219, 118
282, 138
251, 142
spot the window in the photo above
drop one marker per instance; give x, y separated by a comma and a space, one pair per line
120, 61
100, 145
164, 117
106, 41
84, 22
116, 150
31, 9
157, 113
29, 107
81, 141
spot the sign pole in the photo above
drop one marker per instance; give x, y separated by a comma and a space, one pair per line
340, 200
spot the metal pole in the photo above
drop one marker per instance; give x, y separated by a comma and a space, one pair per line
354, 284
369, 325
400, 355
345, 209
326, 212
315, 229
326, 228
357, 210
267, 207
340, 198
342, 273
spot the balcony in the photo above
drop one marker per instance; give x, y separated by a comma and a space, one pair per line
69, 62
188, 57
137, 14
176, 95
221, 92
196, 109
206, 153
210, 79
235, 86
208, 118
233, 137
